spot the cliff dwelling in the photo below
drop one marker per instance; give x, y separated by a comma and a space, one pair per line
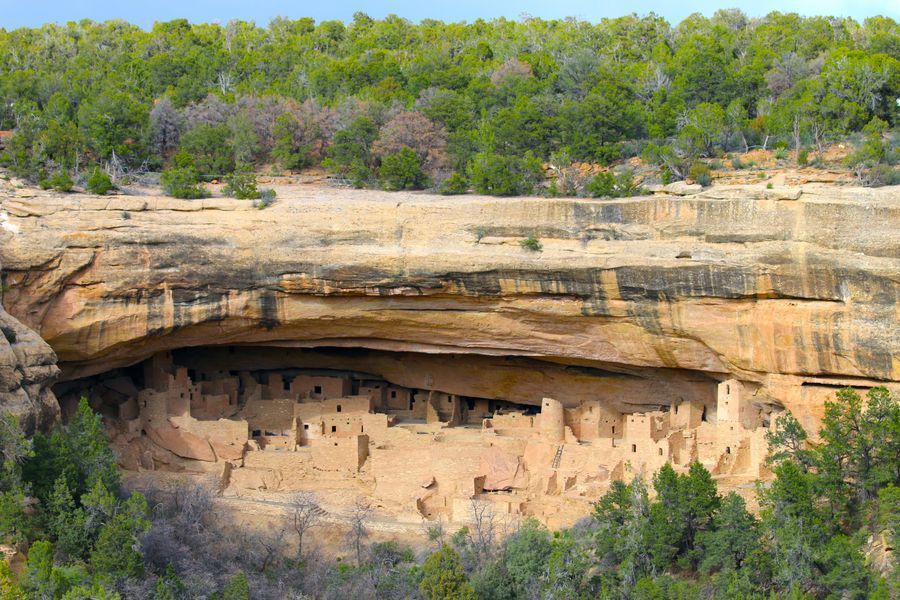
545, 442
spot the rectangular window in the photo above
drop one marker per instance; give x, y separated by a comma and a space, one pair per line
634, 447
317, 389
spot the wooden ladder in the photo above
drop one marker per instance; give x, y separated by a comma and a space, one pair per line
558, 458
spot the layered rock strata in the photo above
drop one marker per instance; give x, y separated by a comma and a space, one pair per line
791, 291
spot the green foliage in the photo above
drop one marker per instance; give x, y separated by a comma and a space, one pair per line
288, 148
443, 577
350, 152
182, 179
454, 185
803, 157
499, 175
266, 198
613, 185
59, 181
78, 452
211, 150
700, 173
532, 244
402, 170
526, 554
9, 589
98, 182
116, 552
237, 588
242, 184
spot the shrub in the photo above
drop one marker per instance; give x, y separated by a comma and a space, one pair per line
871, 175
59, 181
770, 185
736, 163
242, 184
455, 184
182, 180
613, 185
499, 175
99, 182
700, 173
532, 244
266, 198
402, 170
781, 153
803, 157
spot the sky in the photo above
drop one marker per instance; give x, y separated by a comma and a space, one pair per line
32, 13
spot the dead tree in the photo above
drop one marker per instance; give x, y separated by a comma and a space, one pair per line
358, 518
304, 513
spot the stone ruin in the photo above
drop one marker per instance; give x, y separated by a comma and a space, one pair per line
420, 453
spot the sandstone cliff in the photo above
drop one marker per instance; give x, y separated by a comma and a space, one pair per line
27, 370
793, 292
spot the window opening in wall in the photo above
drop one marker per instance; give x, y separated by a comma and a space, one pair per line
613, 428
660, 451
727, 449
703, 415
470, 404
339, 408
306, 426
393, 393
334, 429
256, 433
727, 388
317, 389
634, 447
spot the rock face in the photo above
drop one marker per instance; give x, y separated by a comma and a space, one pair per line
792, 293
27, 372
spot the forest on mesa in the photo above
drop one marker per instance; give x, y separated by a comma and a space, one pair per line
454, 106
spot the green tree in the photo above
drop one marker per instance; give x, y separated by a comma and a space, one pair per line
116, 553
66, 522
403, 171
99, 182
242, 184
350, 152
732, 538
182, 179
443, 577
498, 175
210, 147
525, 555
288, 148
114, 122
236, 588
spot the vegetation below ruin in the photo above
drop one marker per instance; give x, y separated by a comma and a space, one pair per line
823, 517
450, 105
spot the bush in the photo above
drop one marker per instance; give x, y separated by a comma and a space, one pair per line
453, 185
878, 175
781, 153
402, 170
99, 182
736, 163
700, 173
499, 175
266, 198
613, 185
182, 180
803, 157
60, 181
532, 244
242, 184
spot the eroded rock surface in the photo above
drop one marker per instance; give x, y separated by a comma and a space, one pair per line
27, 372
793, 294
